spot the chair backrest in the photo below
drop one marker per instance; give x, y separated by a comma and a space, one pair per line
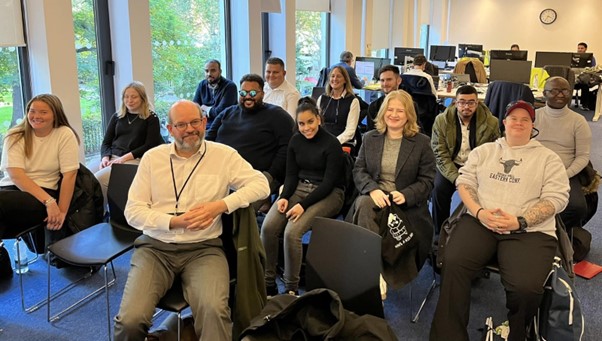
500, 93
317, 91
346, 258
415, 84
120, 181
562, 71
323, 78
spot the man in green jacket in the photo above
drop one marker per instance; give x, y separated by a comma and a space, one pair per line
459, 129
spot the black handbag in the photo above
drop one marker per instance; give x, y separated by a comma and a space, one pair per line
398, 234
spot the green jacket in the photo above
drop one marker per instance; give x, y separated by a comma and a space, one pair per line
446, 137
250, 264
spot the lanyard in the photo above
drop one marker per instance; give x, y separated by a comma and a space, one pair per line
173, 178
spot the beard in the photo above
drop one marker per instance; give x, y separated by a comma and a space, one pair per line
190, 146
255, 108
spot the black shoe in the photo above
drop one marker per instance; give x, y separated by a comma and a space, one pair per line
271, 290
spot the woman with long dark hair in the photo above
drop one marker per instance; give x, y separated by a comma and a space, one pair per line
37, 153
313, 187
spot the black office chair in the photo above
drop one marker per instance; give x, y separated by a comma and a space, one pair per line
346, 258
100, 244
500, 93
425, 101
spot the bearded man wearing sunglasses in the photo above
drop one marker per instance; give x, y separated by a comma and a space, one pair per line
258, 131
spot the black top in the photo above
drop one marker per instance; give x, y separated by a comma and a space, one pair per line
260, 136
218, 98
131, 134
335, 113
319, 160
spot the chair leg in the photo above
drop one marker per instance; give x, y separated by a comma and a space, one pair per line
430, 291
179, 325
106, 277
39, 304
73, 284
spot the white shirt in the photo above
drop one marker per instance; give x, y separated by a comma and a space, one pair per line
285, 96
152, 196
464, 144
421, 73
56, 153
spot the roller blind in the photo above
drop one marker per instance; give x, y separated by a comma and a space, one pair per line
313, 5
11, 23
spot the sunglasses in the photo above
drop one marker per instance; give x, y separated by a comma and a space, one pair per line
252, 93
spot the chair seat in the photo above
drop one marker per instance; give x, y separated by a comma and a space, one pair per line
97, 245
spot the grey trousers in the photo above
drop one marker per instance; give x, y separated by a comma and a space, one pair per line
275, 223
203, 269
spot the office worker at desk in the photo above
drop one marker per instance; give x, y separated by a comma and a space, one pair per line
418, 70
587, 98
568, 134
514, 47
346, 62
389, 80
462, 127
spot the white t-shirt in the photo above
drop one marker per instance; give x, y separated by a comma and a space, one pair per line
56, 153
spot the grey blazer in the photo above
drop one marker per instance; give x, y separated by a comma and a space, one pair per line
415, 175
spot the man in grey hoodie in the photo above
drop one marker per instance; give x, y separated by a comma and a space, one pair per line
512, 188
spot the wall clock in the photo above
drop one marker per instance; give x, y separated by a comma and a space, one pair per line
548, 16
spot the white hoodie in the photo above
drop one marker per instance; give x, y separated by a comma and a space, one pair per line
515, 178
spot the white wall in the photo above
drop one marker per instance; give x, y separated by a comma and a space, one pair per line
498, 24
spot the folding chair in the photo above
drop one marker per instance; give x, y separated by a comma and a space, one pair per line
100, 244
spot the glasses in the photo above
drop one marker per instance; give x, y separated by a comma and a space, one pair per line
252, 93
181, 126
556, 92
470, 104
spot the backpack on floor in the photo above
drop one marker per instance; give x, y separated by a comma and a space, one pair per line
559, 317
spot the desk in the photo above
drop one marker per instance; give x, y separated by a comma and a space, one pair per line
481, 88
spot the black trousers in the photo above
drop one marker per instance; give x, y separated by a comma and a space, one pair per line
576, 210
524, 261
20, 210
441, 198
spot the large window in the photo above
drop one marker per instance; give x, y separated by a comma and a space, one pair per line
185, 34
311, 48
11, 94
84, 25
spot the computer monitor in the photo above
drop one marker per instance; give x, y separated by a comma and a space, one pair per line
367, 68
581, 60
516, 71
553, 58
400, 54
508, 55
442, 53
470, 50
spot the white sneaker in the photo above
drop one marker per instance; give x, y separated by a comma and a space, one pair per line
383, 288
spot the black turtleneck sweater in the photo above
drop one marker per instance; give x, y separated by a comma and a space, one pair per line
319, 160
260, 136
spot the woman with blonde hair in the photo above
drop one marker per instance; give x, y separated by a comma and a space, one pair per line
339, 106
395, 159
36, 154
133, 130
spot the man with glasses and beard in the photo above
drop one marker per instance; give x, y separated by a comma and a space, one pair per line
176, 199
461, 128
258, 131
214, 93
568, 134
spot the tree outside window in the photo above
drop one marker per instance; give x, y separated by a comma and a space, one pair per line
310, 49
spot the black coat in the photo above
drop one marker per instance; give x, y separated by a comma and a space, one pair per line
317, 315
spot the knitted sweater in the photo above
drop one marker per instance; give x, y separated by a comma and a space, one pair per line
567, 134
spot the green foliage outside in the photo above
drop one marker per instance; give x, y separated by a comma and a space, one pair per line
185, 34
309, 40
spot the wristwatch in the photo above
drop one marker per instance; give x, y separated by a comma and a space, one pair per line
522, 225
